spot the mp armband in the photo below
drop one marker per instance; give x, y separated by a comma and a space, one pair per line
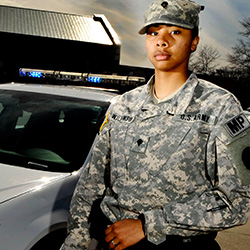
237, 132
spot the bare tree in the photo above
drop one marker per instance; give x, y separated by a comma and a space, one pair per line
204, 60
240, 58
246, 27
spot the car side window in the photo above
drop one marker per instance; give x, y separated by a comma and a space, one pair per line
47, 132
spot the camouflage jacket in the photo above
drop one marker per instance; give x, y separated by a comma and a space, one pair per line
167, 161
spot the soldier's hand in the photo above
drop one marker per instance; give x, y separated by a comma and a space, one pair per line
125, 233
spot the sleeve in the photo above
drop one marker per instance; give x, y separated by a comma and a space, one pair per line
225, 203
90, 187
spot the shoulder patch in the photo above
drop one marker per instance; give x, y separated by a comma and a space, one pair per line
237, 125
105, 121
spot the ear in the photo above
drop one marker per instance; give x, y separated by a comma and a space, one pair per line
195, 43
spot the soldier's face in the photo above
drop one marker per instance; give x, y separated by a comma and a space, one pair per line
169, 47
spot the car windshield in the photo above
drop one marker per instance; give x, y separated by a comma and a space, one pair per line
47, 132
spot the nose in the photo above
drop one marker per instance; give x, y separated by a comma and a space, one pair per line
161, 42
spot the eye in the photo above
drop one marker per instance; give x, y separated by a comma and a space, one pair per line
153, 33
175, 32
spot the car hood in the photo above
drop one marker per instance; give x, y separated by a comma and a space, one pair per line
15, 181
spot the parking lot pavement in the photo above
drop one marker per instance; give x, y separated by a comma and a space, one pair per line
237, 238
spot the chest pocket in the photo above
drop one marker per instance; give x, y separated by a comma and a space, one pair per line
151, 149
164, 144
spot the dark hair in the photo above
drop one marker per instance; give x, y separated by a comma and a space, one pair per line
195, 32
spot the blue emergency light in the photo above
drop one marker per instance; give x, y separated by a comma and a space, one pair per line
35, 74
22, 73
30, 73
94, 79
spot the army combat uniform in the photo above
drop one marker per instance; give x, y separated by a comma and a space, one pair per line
168, 161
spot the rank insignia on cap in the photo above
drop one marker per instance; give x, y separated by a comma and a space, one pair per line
164, 4
237, 125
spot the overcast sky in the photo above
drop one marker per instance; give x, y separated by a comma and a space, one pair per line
219, 21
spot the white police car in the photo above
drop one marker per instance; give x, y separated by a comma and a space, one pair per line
46, 134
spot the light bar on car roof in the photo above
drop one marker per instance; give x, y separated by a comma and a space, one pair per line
80, 77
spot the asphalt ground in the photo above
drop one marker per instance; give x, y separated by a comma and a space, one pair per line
237, 238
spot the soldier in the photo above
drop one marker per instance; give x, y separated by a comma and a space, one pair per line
161, 175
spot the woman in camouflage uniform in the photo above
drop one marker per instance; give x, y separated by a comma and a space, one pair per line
161, 165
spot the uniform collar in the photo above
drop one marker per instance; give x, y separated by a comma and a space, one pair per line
177, 105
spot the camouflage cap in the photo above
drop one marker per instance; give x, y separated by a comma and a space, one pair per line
181, 13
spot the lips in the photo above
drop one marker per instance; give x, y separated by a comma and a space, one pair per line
162, 56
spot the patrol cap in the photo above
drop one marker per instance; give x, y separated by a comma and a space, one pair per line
181, 13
